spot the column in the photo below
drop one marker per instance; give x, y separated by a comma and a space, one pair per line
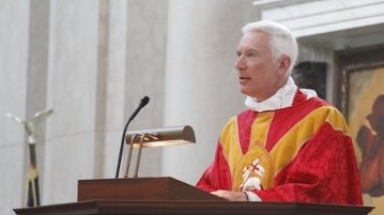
201, 88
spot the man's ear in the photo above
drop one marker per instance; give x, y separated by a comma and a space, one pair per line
285, 62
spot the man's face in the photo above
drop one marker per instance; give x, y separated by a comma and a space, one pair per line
259, 74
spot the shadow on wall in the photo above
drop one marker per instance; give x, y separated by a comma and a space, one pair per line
311, 75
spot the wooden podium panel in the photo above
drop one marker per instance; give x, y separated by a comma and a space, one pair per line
159, 188
112, 207
168, 196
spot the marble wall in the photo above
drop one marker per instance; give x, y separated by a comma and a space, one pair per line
14, 38
200, 58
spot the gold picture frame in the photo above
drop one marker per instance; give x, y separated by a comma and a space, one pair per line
359, 94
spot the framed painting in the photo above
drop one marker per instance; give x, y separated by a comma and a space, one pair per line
360, 97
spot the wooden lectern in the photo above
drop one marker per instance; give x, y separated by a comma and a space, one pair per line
168, 196
162, 188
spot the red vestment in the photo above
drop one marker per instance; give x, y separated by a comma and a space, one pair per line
301, 153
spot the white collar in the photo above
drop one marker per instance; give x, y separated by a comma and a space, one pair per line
282, 98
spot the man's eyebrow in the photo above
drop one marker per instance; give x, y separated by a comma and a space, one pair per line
247, 50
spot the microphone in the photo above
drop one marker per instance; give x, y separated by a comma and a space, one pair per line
144, 101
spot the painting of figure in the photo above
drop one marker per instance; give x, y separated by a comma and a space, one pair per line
366, 119
370, 139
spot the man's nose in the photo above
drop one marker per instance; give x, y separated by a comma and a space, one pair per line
240, 63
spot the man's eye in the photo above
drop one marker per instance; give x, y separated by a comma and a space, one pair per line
251, 55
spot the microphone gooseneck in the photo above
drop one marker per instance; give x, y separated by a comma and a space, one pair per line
144, 101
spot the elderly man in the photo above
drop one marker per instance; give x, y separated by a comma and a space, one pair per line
289, 145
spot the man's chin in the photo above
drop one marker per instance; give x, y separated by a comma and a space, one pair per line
246, 92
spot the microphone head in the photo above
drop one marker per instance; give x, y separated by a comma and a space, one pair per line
144, 101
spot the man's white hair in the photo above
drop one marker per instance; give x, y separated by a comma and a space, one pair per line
282, 41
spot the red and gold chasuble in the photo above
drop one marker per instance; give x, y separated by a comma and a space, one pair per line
300, 153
